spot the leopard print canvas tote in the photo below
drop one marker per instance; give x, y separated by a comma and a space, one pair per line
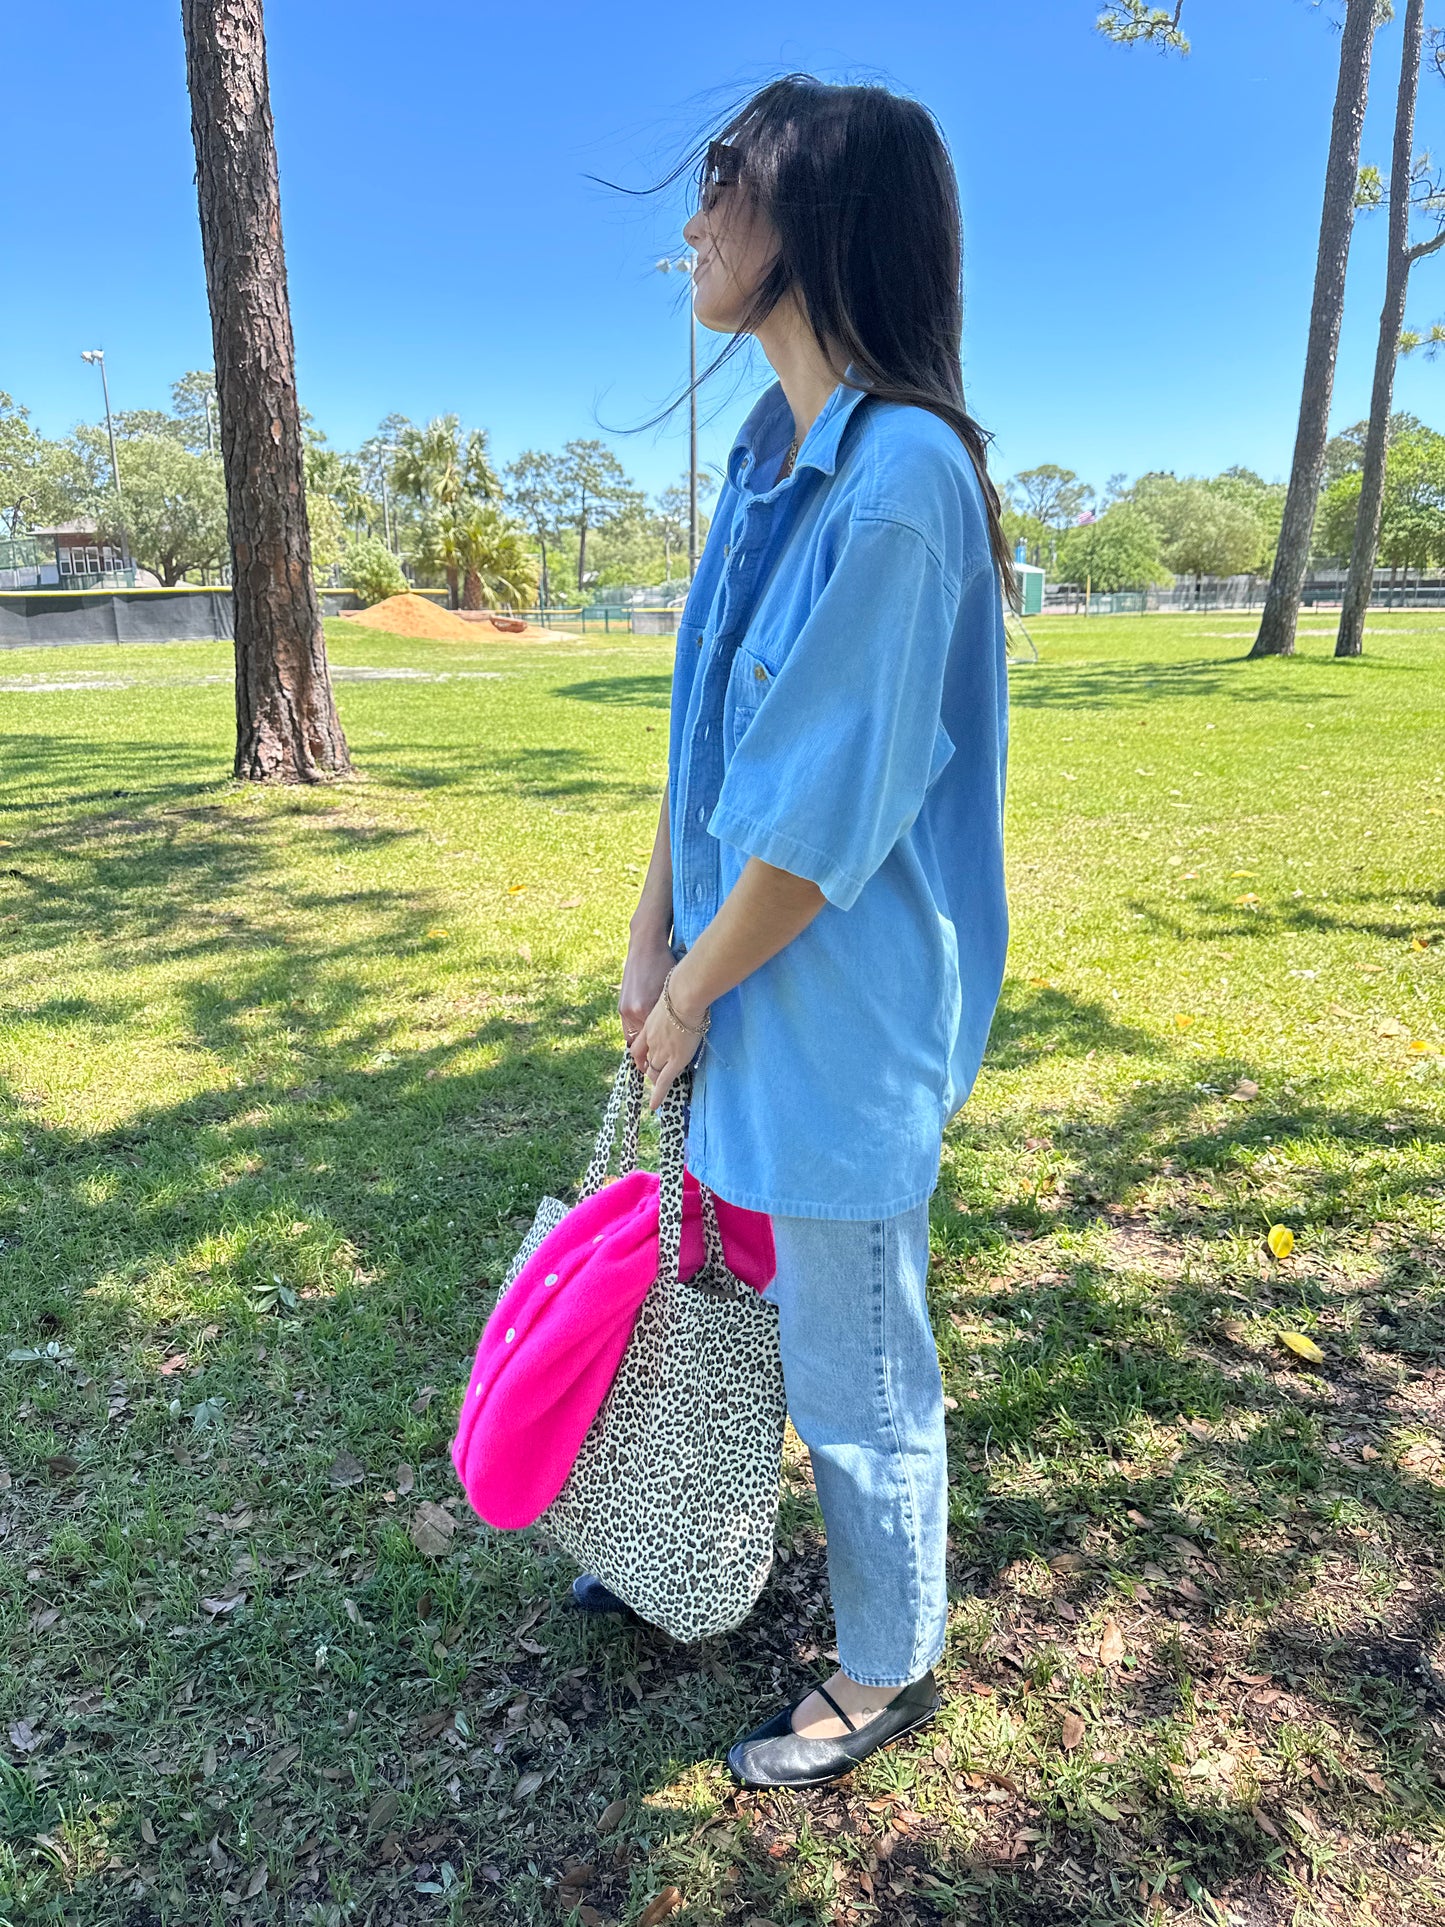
672, 1500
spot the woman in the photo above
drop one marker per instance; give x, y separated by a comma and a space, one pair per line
825, 898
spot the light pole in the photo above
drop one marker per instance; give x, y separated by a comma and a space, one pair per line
96, 356
684, 264
210, 428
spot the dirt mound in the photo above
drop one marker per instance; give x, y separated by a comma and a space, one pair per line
411, 615
513, 626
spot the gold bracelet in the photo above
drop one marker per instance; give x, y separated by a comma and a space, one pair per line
693, 1030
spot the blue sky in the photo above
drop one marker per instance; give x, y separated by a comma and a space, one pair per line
1140, 231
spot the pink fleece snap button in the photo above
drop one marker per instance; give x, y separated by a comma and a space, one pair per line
511, 1334
550, 1279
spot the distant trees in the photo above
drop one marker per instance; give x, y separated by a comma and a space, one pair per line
594, 492
447, 476
1411, 523
536, 496
1045, 501
1411, 185
175, 508
1117, 550
41, 482
1133, 22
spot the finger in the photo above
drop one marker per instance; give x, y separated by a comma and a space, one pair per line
662, 1084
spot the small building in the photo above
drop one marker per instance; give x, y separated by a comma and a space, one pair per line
68, 556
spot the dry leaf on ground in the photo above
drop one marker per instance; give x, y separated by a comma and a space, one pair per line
667, 1902
432, 1529
1073, 1731
1111, 1644
346, 1469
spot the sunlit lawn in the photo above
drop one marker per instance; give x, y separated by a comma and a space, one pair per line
281, 1078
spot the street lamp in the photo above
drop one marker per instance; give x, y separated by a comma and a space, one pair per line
685, 264
96, 357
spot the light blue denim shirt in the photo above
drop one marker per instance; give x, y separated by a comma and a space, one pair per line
840, 709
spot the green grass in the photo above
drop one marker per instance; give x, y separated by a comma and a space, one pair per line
281, 1078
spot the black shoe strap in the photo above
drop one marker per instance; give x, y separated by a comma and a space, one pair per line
823, 1693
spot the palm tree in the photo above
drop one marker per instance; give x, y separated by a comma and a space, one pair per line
446, 474
498, 570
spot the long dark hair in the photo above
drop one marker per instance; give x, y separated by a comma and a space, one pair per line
860, 188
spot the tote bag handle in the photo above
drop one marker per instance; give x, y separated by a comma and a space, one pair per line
625, 1103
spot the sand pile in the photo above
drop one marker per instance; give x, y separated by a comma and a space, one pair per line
418, 615
491, 624
411, 615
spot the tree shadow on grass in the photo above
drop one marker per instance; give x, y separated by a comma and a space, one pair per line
652, 691
1364, 912
541, 771
381, 1187
1126, 686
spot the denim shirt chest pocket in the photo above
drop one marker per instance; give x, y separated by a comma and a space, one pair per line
749, 681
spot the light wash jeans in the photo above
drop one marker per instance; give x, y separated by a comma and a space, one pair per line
865, 1397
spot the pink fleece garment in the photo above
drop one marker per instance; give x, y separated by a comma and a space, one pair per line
551, 1348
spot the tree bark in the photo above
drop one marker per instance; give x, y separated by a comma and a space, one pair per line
1281, 608
1350, 640
286, 723
472, 590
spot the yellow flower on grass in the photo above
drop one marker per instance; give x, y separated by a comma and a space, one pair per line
1280, 1240
1181, 1022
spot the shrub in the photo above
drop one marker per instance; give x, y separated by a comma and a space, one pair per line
372, 571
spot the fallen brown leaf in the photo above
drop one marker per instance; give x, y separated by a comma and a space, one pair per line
278, 1762
667, 1902
346, 1470
1073, 1731
1111, 1644
432, 1529
383, 1810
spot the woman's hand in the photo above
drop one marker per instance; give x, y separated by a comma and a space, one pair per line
662, 1050
649, 958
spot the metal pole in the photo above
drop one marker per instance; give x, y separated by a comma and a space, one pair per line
98, 355
385, 510
210, 429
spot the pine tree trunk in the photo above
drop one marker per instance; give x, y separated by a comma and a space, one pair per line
1281, 607
1351, 638
286, 722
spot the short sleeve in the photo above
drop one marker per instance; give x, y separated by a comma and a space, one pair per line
834, 766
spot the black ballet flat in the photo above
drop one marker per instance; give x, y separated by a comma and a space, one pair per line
774, 1755
590, 1596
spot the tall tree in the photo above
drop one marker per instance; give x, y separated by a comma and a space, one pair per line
286, 723
534, 488
674, 515
1052, 499
447, 475
1406, 177
1134, 22
1337, 219
175, 509
595, 489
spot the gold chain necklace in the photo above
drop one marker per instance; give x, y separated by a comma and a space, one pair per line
789, 458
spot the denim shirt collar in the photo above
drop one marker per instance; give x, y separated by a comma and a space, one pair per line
769, 428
